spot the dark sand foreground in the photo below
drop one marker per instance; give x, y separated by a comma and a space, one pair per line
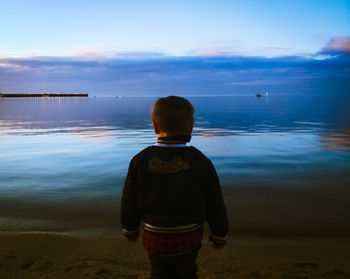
275, 233
55, 256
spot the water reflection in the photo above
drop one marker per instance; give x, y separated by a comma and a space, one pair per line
79, 147
337, 141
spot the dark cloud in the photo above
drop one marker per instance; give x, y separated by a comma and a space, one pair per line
156, 74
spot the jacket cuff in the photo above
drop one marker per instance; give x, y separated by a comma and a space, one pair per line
130, 234
218, 240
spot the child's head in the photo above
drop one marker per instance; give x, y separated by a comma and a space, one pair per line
173, 115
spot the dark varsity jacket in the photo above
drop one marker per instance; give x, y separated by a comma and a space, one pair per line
170, 185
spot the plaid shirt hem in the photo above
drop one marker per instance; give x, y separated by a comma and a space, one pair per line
172, 244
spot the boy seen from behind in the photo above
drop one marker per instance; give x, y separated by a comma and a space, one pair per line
172, 189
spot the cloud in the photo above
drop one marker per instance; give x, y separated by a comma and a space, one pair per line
91, 51
161, 74
224, 50
215, 51
337, 46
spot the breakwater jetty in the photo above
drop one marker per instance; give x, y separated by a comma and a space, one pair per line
21, 95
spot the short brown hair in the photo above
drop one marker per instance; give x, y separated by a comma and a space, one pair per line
173, 114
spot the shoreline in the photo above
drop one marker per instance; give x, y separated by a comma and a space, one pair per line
252, 211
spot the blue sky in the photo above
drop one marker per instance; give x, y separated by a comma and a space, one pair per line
110, 47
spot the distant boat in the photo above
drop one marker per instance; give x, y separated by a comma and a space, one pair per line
258, 95
267, 93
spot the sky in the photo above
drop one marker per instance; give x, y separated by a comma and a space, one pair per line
185, 47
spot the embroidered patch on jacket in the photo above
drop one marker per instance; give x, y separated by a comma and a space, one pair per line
175, 165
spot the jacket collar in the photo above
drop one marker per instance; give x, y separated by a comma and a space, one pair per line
176, 139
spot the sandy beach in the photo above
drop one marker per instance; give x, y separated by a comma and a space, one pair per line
274, 233
58, 256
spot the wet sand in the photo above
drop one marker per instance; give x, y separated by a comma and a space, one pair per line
274, 233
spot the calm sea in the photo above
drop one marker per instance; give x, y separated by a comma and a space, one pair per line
79, 148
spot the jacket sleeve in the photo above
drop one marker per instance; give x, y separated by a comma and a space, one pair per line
215, 207
129, 213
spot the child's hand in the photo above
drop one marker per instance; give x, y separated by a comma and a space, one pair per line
131, 236
218, 244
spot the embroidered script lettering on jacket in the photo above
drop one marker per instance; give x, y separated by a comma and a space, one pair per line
175, 165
